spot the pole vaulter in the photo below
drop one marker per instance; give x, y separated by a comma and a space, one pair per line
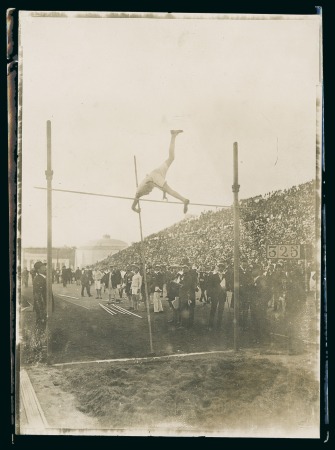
156, 178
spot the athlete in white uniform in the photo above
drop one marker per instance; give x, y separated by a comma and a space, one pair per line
156, 178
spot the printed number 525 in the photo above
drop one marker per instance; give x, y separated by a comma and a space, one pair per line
272, 251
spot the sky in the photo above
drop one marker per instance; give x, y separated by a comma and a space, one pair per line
113, 88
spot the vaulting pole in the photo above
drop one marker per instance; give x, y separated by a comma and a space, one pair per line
49, 173
236, 188
144, 267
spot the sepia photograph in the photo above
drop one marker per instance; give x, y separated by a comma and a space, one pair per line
169, 224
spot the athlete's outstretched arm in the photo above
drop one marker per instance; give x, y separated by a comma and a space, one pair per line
135, 206
143, 189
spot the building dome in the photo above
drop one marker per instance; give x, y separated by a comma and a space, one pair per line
106, 241
98, 250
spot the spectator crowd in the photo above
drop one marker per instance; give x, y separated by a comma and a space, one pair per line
191, 263
286, 216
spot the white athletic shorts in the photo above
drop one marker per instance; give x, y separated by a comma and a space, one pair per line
158, 175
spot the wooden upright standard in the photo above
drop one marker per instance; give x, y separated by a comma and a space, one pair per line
49, 173
236, 188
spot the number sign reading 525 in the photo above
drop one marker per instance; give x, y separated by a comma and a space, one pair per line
283, 251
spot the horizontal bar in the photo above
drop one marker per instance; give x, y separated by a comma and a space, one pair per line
131, 198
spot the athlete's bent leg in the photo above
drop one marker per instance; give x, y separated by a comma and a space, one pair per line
175, 194
174, 133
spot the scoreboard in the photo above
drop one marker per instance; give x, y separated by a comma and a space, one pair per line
283, 251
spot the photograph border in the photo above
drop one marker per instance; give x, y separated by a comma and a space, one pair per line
15, 211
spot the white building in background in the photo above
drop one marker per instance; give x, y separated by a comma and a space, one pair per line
98, 250
61, 256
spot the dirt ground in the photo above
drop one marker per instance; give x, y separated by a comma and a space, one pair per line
80, 330
258, 391
244, 394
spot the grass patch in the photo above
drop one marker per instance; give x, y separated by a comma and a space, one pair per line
211, 395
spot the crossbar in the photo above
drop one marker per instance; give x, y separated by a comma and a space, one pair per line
131, 198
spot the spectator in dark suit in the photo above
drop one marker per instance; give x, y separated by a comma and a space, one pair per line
216, 291
127, 281
85, 284
168, 278
40, 302
194, 287
106, 281
70, 275
64, 276
157, 278
202, 278
112, 281
246, 282
77, 276
186, 293
261, 295
90, 275
116, 281
194, 276
278, 280
173, 296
